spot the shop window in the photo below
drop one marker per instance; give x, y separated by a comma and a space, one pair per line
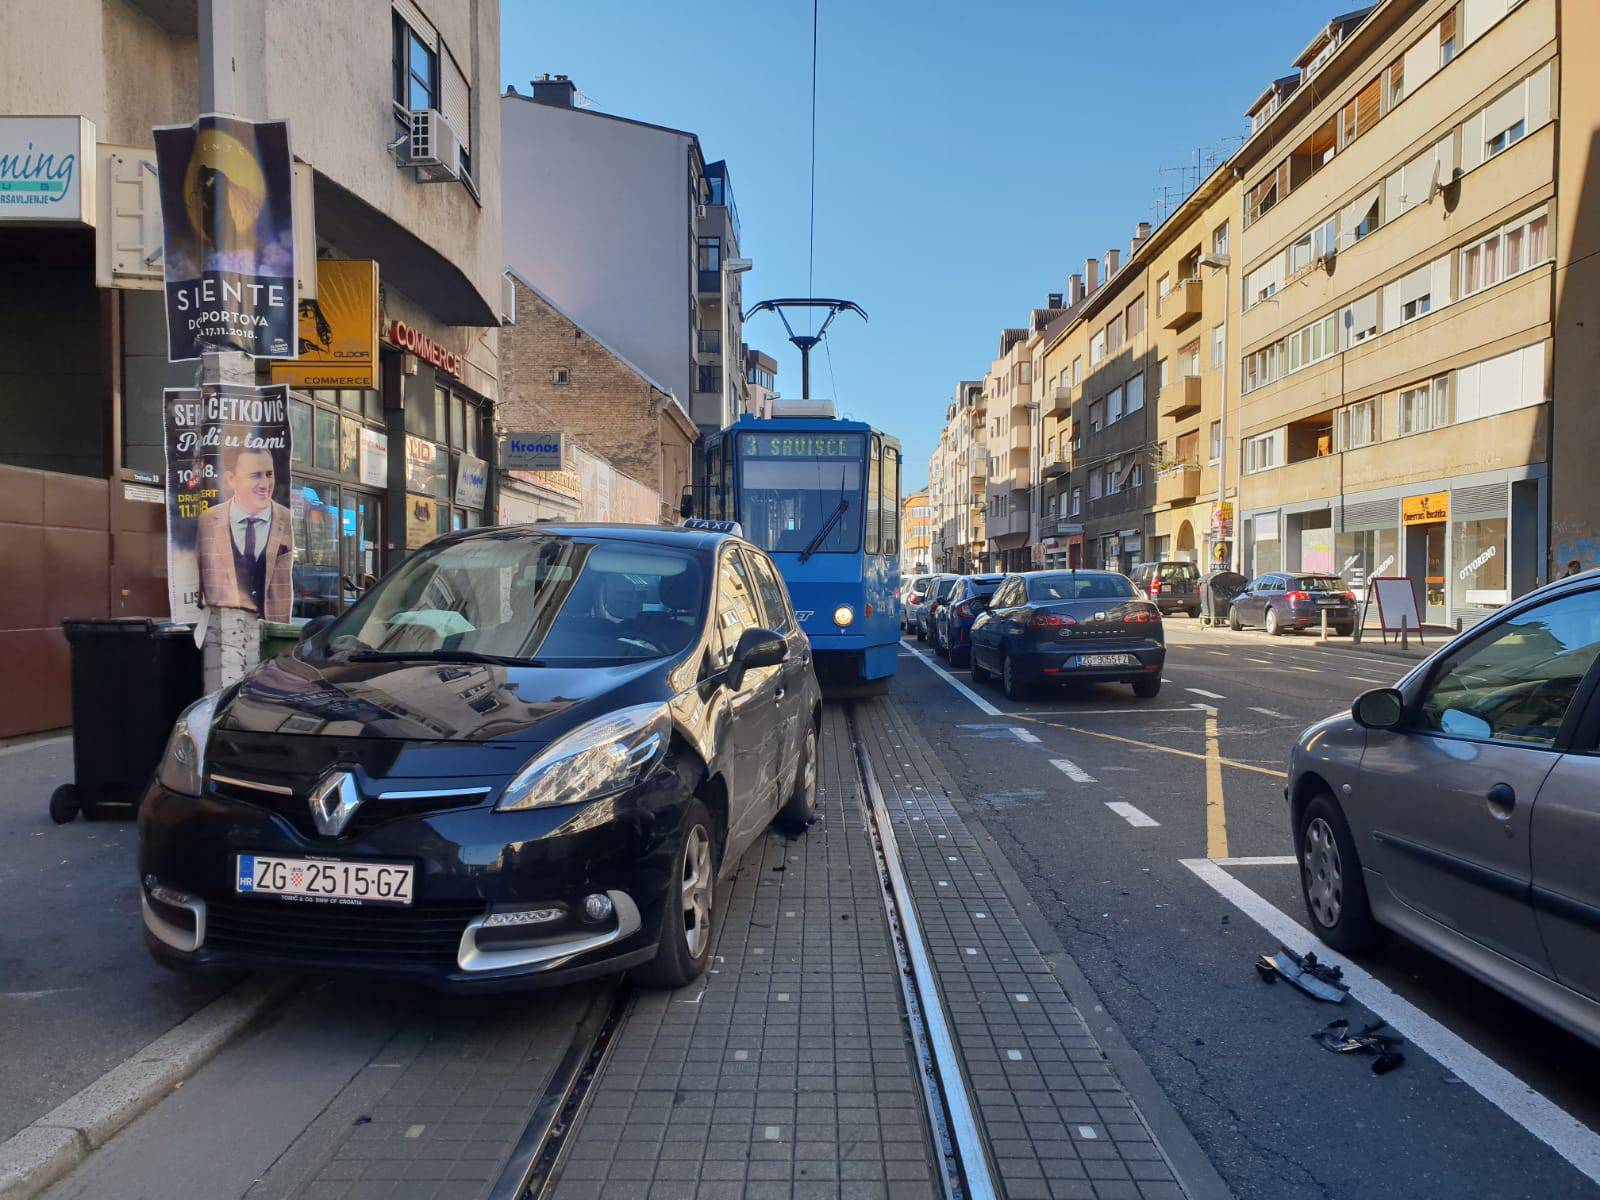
1478, 552
314, 515
349, 446
325, 440
300, 432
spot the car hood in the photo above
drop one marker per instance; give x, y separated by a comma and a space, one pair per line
429, 701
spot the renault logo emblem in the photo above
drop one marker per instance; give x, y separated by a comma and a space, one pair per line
333, 802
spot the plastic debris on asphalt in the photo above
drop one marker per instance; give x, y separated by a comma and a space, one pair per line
1383, 1047
1319, 980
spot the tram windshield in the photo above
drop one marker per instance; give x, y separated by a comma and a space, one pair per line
795, 486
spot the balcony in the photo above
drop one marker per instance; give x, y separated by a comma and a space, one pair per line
1056, 465
978, 475
1181, 396
1181, 305
1060, 402
708, 284
1178, 484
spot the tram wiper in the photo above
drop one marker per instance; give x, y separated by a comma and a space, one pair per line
827, 528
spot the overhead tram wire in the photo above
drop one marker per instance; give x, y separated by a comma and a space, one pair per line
811, 262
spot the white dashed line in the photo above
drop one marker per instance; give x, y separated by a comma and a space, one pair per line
1208, 695
1265, 662
1260, 860
1541, 1117
1072, 770
1024, 736
1267, 712
1131, 815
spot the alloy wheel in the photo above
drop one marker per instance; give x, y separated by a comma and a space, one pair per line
1323, 873
696, 891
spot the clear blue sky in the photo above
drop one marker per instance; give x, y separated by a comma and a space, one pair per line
969, 156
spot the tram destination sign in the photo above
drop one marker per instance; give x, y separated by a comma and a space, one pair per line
801, 445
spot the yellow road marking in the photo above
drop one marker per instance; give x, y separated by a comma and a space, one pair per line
1216, 814
1112, 737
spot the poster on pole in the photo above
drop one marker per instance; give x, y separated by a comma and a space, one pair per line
230, 540
227, 237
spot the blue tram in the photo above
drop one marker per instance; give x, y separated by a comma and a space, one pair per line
822, 496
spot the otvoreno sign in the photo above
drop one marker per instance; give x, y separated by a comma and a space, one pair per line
533, 452
46, 169
398, 333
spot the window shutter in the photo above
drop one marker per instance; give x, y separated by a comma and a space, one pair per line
1539, 98
1352, 216
455, 97
1415, 285
1422, 60
1439, 281
1505, 112
412, 16
1472, 142
1390, 297
1480, 500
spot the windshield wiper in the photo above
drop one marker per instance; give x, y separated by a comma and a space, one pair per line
827, 528
456, 656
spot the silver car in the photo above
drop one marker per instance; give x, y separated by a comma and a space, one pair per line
913, 591
1462, 808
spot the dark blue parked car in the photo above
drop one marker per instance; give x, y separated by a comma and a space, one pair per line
953, 621
1069, 627
1285, 600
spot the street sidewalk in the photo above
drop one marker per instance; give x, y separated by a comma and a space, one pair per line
1220, 636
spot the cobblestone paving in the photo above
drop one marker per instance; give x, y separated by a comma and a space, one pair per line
787, 1072
1058, 1123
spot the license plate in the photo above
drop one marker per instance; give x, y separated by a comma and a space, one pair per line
1330, 602
1105, 660
325, 880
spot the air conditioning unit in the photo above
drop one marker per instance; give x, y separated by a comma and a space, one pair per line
433, 148
699, 212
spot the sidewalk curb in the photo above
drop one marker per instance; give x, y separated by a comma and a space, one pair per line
45, 1151
1196, 1173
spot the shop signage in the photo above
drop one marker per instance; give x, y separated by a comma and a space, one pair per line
398, 333
472, 479
422, 521
533, 452
563, 483
227, 225
1425, 510
422, 466
230, 536
46, 169
374, 458
338, 336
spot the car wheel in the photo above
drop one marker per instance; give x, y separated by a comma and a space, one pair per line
1194, 614
1331, 883
64, 803
980, 674
1147, 689
1273, 628
1233, 621
684, 945
1344, 630
801, 807
1013, 687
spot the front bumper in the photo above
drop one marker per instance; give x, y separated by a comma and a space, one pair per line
1059, 663
467, 861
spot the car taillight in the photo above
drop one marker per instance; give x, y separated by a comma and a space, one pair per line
1299, 597
1051, 621
1155, 587
1146, 615
964, 609
1349, 597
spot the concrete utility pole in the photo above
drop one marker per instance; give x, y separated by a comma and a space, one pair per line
1224, 263
232, 49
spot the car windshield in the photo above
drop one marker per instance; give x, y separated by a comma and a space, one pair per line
558, 600
1079, 586
1179, 571
1318, 583
792, 489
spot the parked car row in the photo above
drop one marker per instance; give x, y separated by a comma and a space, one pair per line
1038, 628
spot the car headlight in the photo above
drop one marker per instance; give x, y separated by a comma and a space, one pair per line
844, 616
186, 748
600, 758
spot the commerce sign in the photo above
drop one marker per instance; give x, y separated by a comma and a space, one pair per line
424, 347
46, 169
1425, 510
533, 452
338, 334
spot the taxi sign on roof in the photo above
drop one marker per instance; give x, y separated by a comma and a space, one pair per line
714, 526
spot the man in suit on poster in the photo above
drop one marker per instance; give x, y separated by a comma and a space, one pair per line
244, 544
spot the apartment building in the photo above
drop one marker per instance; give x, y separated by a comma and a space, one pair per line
761, 382
1008, 438
1396, 254
628, 228
941, 496
1195, 326
969, 470
916, 525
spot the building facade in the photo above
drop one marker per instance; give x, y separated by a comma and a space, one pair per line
761, 382
1008, 438
82, 522
916, 533
627, 228
1397, 254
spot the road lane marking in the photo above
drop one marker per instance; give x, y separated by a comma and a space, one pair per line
1072, 770
1365, 679
1126, 741
981, 704
1265, 662
1216, 813
1267, 712
1307, 670
1131, 815
1541, 1117
1024, 735
1208, 695
1258, 860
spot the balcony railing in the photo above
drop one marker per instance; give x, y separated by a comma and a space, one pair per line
1060, 402
709, 283
1056, 465
1178, 484
1181, 396
1181, 305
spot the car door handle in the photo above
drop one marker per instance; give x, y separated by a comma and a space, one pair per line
1502, 800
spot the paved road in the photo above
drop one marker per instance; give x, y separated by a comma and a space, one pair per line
1098, 800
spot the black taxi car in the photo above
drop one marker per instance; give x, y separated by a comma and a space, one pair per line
524, 757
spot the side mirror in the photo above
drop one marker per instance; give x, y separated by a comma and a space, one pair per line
315, 626
1381, 708
686, 504
756, 648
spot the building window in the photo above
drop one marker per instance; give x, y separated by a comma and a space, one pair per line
1135, 393
711, 254
1097, 416
1136, 317
1216, 441
1094, 484
1115, 333
1077, 501
1425, 407
1113, 406
1507, 251
1219, 239
416, 69
1077, 370
1261, 452
560, 376
1097, 349
1219, 345
1357, 425
708, 379
1509, 136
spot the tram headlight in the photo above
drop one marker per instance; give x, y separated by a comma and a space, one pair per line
844, 616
